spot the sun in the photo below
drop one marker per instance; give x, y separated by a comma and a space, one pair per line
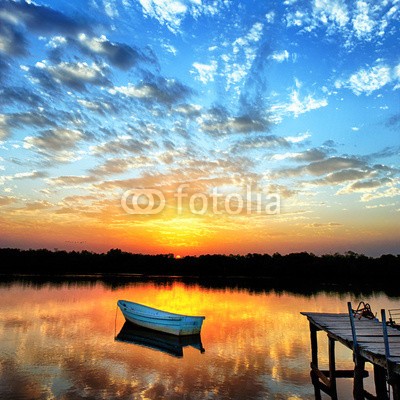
178, 256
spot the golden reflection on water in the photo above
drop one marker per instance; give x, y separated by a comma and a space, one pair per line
58, 342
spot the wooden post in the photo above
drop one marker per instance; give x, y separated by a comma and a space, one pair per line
314, 345
396, 387
380, 382
385, 334
332, 369
358, 387
358, 384
314, 361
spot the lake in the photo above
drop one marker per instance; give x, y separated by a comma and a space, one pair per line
57, 341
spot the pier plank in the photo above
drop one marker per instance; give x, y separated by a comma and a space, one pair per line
370, 342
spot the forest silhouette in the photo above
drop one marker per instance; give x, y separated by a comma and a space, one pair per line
344, 268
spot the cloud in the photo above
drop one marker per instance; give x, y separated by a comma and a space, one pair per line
30, 118
218, 122
387, 193
71, 180
280, 56
172, 13
22, 175
119, 165
345, 175
4, 127
333, 13
308, 155
367, 80
355, 23
100, 107
270, 17
19, 95
297, 105
299, 138
322, 167
244, 53
56, 144
12, 42
7, 200
163, 91
260, 142
75, 75
121, 145
189, 110
206, 72
118, 54
38, 205
40, 18
393, 121
324, 225
362, 23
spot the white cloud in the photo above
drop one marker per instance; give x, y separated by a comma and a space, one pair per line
270, 17
367, 81
243, 55
297, 105
280, 56
388, 193
171, 49
75, 75
298, 139
363, 25
284, 156
206, 72
57, 41
331, 12
172, 13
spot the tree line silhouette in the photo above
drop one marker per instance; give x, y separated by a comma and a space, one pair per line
345, 268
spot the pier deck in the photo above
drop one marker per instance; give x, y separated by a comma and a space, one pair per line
366, 338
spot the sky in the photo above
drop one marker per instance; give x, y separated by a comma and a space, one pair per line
194, 126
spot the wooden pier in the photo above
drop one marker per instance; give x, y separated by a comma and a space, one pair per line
370, 340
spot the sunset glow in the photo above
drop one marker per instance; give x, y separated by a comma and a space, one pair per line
218, 106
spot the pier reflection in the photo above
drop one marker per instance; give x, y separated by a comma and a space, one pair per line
164, 342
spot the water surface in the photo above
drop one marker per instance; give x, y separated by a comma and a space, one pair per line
58, 342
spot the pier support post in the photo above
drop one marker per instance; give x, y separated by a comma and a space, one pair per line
380, 382
314, 361
332, 368
358, 388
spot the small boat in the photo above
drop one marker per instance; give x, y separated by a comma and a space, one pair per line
163, 321
160, 341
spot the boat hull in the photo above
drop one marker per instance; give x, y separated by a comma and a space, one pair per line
160, 341
151, 318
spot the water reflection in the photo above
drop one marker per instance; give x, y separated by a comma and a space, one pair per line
169, 344
58, 342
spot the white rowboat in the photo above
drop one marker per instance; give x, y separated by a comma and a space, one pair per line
163, 321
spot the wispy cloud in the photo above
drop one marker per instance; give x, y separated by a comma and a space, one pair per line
75, 75
163, 91
205, 72
56, 144
280, 56
367, 80
297, 105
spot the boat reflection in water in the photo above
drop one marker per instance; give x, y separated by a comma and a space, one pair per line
167, 343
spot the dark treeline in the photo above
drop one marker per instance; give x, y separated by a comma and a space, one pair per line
348, 268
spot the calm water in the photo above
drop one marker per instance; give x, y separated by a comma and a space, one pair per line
57, 342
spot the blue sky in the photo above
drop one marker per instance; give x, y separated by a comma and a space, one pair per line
294, 97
